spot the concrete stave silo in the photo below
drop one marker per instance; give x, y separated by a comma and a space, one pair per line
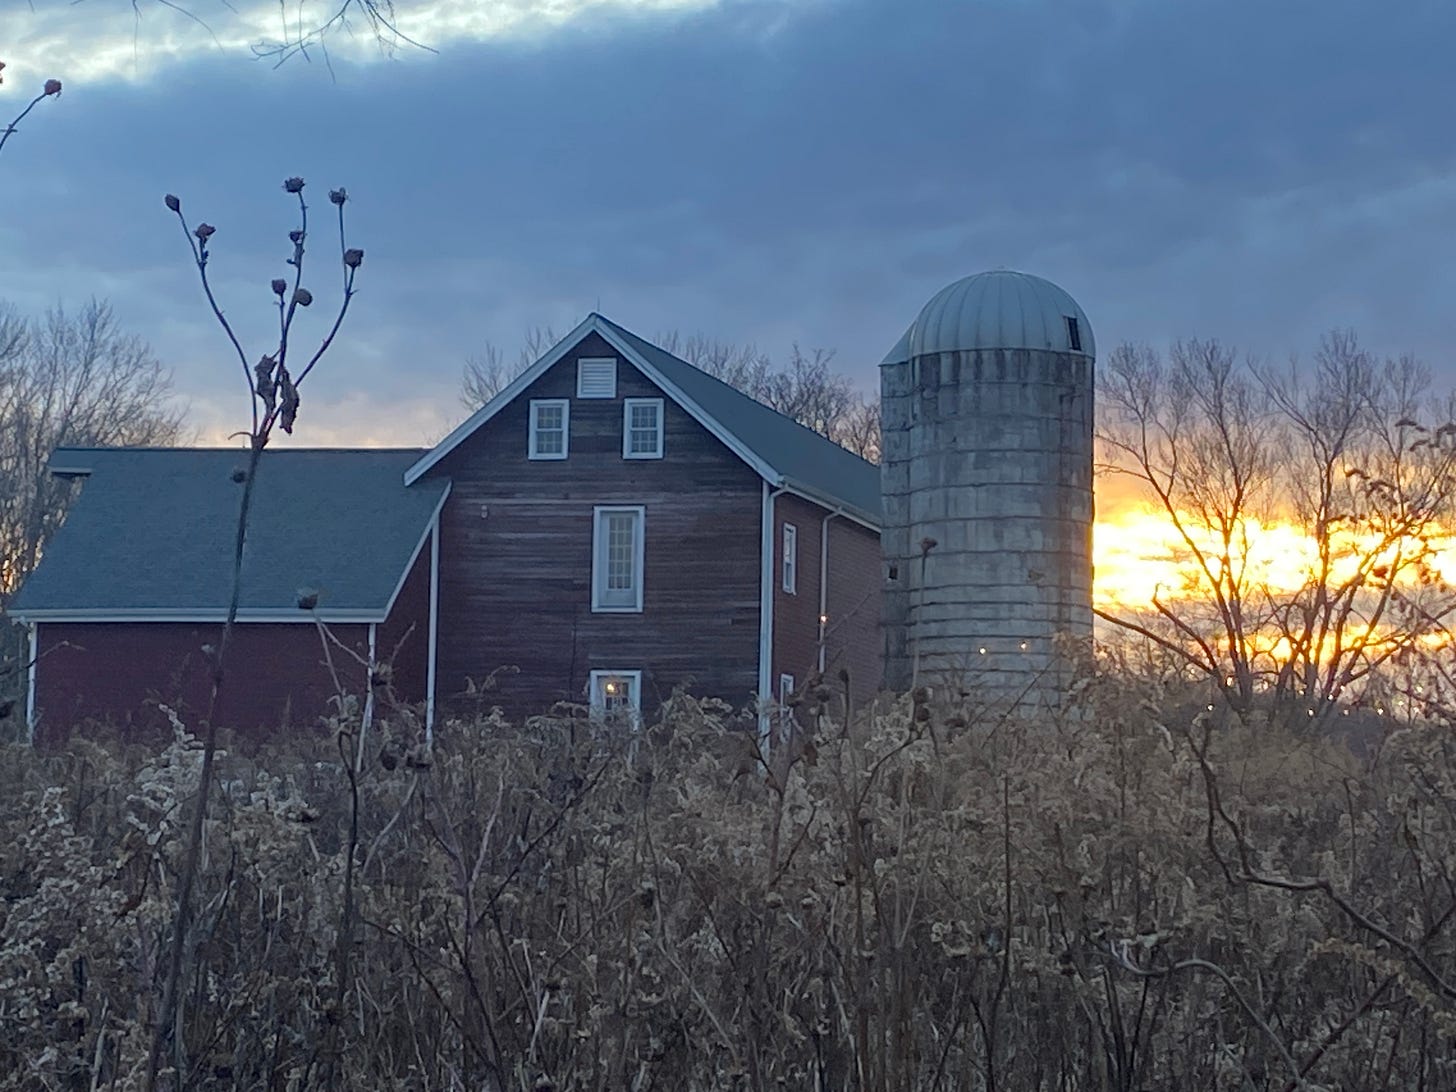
987, 405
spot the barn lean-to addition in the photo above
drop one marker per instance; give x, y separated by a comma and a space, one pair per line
614, 525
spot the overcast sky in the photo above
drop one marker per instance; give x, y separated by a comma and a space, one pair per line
764, 171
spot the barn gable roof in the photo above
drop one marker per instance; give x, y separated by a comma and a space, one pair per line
150, 538
783, 452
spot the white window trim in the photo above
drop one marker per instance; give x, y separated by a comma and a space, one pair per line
628, 404
597, 696
791, 559
543, 403
598, 570
596, 360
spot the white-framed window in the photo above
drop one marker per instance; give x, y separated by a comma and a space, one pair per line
791, 559
550, 428
596, 377
617, 541
642, 428
616, 696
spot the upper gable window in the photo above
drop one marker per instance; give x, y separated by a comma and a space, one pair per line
550, 428
596, 377
642, 428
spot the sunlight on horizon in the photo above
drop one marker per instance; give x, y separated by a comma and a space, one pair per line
1138, 553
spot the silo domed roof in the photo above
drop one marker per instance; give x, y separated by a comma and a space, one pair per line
1000, 309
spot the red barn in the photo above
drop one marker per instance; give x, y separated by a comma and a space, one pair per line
613, 525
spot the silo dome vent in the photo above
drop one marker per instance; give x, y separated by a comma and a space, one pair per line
1000, 309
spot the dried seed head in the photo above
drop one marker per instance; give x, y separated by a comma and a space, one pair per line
293, 185
353, 258
172, 202
339, 196
303, 297
295, 236
307, 599
53, 87
203, 232
279, 286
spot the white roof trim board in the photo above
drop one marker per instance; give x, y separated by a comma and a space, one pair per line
430, 528
143, 614
503, 398
593, 324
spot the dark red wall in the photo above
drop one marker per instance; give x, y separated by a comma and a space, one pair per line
118, 672
515, 555
852, 607
277, 676
404, 637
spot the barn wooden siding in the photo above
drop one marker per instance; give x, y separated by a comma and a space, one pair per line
277, 681
852, 606
117, 673
515, 558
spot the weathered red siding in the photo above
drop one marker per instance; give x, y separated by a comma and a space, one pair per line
853, 636
851, 607
515, 558
404, 637
118, 673
796, 616
277, 677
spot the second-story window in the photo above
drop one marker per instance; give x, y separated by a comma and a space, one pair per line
642, 428
617, 556
550, 425
791, 559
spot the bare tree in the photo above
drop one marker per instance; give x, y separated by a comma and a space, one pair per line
858, 429
67, 380
742, 367
807, 389
1334, 452
487, 374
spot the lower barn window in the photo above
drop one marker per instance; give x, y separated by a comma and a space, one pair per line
616, 696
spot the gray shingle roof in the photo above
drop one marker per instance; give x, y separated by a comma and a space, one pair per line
152, 533
806, 459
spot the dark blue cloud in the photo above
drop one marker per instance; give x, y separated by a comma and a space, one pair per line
773, 172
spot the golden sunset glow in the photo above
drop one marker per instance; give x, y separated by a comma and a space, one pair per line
1138, 553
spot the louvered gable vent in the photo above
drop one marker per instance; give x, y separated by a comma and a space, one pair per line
596, 377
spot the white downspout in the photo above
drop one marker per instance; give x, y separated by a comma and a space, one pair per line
765, 610
434, 630
32, 666
824, 582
